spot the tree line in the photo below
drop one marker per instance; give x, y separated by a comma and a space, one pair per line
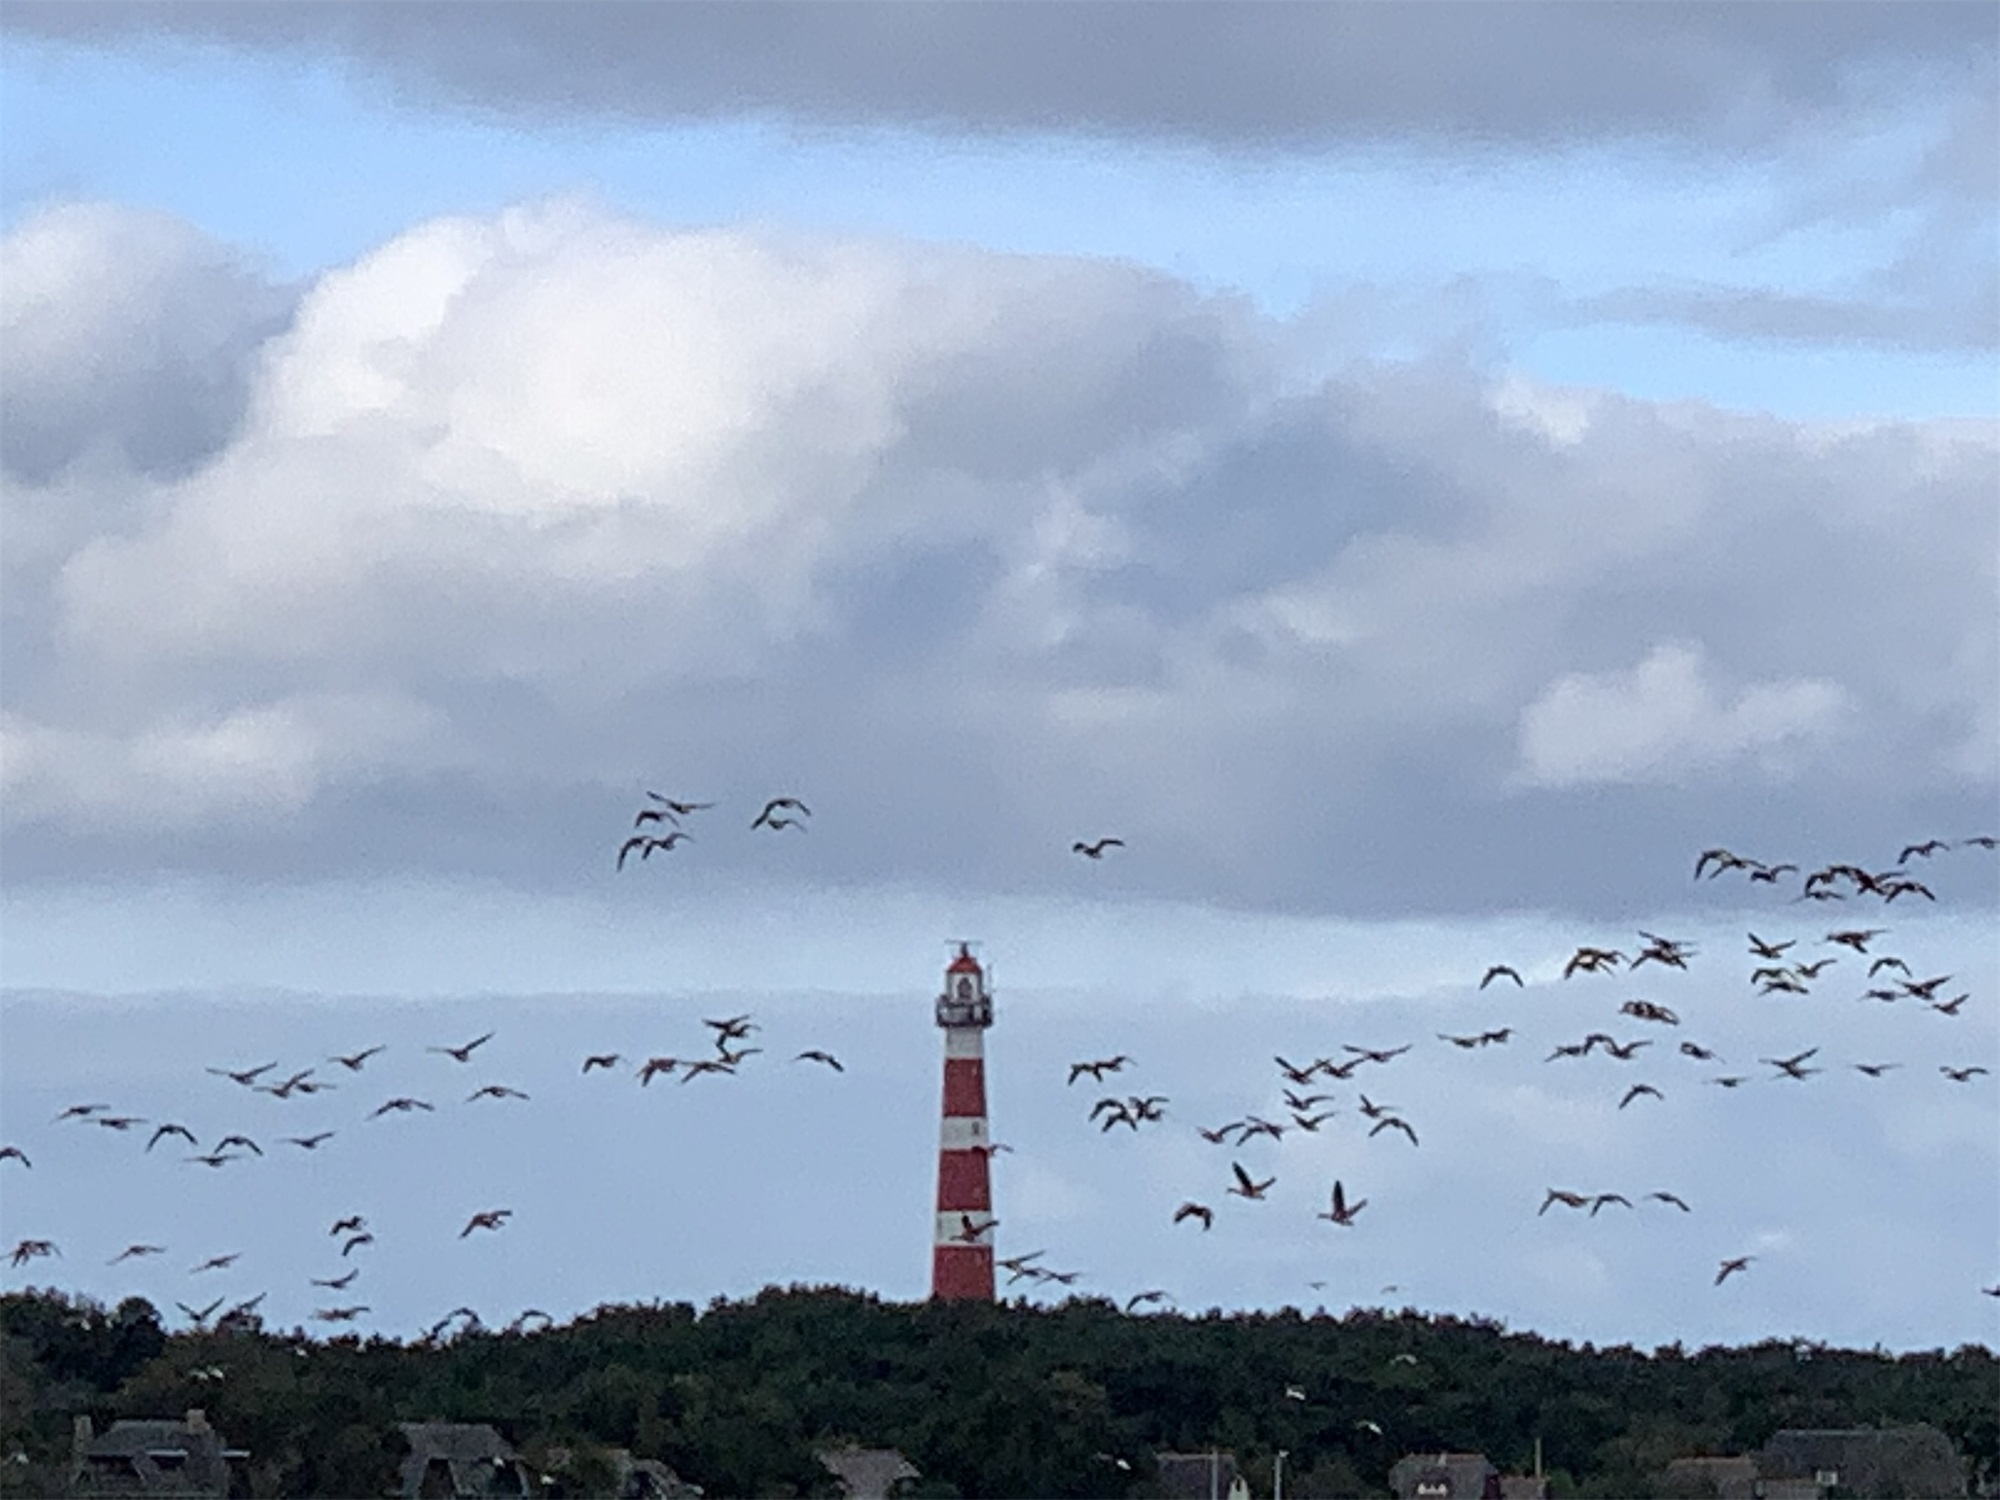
1001, 1399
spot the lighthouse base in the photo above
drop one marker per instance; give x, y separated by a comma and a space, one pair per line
962, 1273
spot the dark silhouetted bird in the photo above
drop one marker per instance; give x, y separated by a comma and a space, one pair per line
1096, 850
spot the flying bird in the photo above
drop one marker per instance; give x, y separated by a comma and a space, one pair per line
1601, 1199
813, 1054
1393, 1122
1722, 860
15, 1153
134, 1252
680, 809
768, 819
1671, 1198
463, 1054
199, 1316
309, 1142
495, 1091
1793, 1066
1096, 850
1731, 1267
1562, 1196
1192, 1210
352, 1061
402, 1106
355, 1243
1341, 1211
646, 844
172, 1129
217, 1263
1378, 1057
1247, 1187
601, 1060
338, 1283
1636, 1090
1592, 961
971, 1233
348, 1225
246, 1076
1501, 971
1961, 1075
492, 1218
1097, 1070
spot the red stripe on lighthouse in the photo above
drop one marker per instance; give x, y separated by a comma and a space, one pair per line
963, 1184
965, 1087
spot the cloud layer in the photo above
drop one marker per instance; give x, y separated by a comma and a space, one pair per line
1284, 77
517, 515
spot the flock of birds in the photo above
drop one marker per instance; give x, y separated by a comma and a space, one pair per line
1778, 972
730, 1039
1306, 1104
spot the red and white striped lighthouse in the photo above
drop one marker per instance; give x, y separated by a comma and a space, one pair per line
962, 1244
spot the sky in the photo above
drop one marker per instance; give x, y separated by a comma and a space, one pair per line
1418, 476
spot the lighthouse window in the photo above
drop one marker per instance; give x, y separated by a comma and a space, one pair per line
964, 989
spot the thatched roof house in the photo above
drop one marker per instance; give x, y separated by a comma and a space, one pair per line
186, 1459
456, 1460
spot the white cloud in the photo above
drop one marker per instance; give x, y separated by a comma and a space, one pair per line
1059, 544
258, 763
1665, 721
127, 333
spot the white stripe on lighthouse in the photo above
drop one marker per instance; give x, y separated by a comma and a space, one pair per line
962, 1132
964, 1041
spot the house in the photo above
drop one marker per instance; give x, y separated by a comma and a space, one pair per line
460, 1459
186, 1459
1877, 1461
1445, 1476
1810, 1463
1198, 1476
866, 1473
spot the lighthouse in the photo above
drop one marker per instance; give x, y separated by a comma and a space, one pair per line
962, 1241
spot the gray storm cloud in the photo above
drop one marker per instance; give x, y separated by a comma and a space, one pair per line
517, 515
1234, 77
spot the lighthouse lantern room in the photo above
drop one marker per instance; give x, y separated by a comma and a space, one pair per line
962, 1243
